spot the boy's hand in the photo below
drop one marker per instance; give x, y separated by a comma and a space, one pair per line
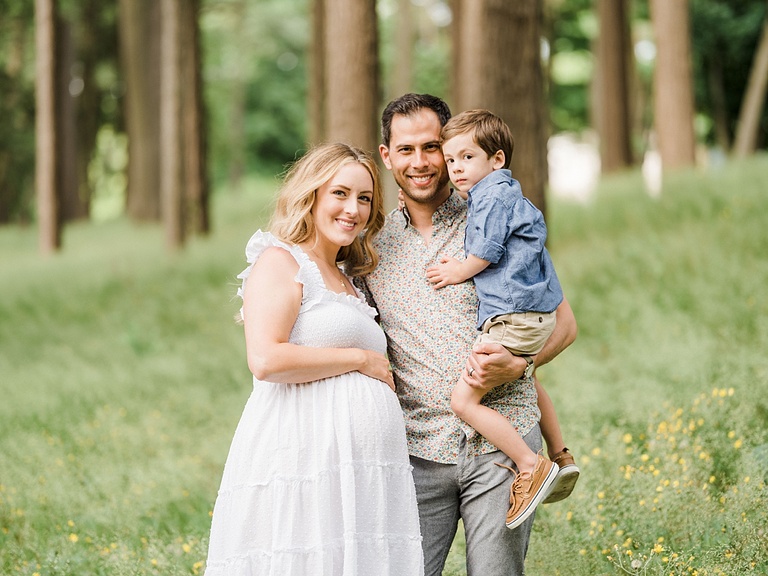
447, 272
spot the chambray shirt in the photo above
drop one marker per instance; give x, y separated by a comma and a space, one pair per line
506, 229
430, 335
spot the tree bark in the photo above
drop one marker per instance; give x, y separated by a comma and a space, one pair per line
673, 83
236, 141
613, 94
170, 126
46, 181
139, 31
193, 117
402, 71
316, 89
499, 67
72, 205
720, 117
748, 127
351, 72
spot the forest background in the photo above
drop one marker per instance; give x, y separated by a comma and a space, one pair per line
122, 375
216, 90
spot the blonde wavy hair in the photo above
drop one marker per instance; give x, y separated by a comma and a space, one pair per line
292, 220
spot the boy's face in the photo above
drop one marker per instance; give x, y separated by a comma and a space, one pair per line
468, 163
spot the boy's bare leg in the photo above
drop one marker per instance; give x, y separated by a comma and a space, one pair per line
465, 402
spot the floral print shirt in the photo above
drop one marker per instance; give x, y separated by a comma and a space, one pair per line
430, 335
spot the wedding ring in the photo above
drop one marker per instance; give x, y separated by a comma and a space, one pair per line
470, 371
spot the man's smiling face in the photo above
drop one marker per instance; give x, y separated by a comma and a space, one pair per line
415, 158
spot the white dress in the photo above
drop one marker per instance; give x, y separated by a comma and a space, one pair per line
318, 481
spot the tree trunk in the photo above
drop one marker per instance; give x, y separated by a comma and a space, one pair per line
402, 71
72, 205
720, 117
469, 69
46, 181
236, 141
754, 100
457, 53
194, 162
499, 64
673, 83
170, 125
351, 72
139, 28
316, 85
613, 94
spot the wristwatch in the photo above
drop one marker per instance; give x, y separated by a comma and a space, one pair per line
530, 368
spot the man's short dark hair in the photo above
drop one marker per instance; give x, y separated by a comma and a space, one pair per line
408, 104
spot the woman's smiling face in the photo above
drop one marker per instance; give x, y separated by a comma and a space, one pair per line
343, 206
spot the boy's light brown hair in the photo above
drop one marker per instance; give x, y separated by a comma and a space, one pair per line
488, 131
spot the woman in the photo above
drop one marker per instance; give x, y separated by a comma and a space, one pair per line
317, 481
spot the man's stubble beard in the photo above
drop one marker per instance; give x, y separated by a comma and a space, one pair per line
427, 196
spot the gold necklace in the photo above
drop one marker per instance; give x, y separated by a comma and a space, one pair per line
341, 279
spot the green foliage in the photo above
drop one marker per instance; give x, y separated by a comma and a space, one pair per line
122, 379
17, 104
92, 83
572, 28
662, 396
123, 376
256, 51
724, 39
431, 52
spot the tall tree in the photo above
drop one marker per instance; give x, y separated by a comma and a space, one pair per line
673, 83
46, 172
754, 99
172, 200
351, 72
72, 205
402, 71
497, 64
236, 129
614, 117
317, 82
193, 121
139, 31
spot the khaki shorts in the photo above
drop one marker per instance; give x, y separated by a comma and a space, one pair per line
523, 334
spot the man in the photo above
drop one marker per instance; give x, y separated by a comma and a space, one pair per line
454, 468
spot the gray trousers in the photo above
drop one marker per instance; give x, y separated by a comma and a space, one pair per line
477, 491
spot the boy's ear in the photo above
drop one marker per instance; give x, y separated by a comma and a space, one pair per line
499, 160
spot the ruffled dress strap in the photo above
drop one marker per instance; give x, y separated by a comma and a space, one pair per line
314, 290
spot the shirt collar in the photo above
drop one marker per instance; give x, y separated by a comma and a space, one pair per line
492, 179
446, 212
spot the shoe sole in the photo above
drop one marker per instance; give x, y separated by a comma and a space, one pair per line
563, 485
531, 508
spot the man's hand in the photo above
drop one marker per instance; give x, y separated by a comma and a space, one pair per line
449, 271
491, 365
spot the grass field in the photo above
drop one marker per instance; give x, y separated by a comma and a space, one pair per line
122, 376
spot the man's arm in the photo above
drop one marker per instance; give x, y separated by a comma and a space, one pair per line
492, 365
563, 335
